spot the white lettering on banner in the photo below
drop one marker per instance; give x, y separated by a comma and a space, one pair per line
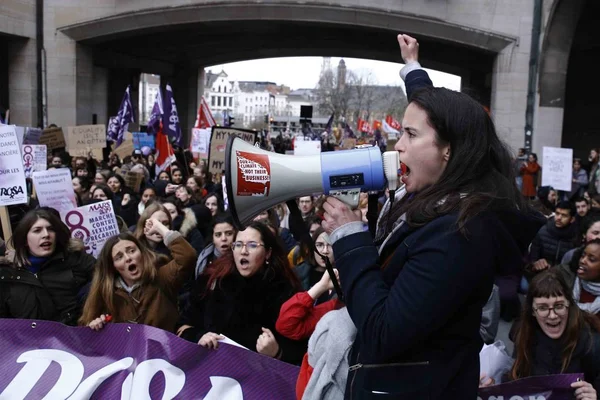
135, 386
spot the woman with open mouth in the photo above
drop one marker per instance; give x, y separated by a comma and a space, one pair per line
133, 284
49, 271
556, 337
416, 291
240, 294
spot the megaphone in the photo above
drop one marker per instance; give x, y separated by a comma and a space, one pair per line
257, 179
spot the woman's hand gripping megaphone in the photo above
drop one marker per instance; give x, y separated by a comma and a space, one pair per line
338, 213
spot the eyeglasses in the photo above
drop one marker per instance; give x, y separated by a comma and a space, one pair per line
559, 309
250, 246
322, 246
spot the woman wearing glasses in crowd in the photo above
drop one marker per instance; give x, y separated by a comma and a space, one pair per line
556, 337
312, 269
239, 295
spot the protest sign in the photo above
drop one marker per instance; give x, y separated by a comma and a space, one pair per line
54, 189
96, 153
12, 174
53, 138
131, 361
218, 142
34, 158
86, 137
32, 136
544, 387
307, 147
200, 142
557, 169
20, 134
125, 149
142, 139
94, 224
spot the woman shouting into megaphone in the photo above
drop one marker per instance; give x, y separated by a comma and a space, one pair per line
416, 293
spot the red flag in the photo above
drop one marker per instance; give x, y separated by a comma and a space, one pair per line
376, 124
204, 118
164, 152
393, 123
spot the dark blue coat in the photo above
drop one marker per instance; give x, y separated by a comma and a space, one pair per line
418, 319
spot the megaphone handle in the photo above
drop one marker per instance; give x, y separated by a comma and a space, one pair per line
304, 237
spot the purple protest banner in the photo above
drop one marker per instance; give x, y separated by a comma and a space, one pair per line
130, 361
545, 387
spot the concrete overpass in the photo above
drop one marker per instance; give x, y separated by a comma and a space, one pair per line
94, 49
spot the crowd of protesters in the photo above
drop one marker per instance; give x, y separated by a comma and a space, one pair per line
180, 264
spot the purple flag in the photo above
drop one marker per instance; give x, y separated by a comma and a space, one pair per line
546, 387
348, 132
156, 116
44, 359
329, 124
170, 117
117, 128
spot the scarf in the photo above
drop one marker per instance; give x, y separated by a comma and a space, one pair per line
590, 287
35, 263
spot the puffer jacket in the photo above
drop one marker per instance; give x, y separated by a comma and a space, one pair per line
55, 293
551, 243
187, 225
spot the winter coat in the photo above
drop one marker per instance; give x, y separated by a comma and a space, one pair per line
187, 225
239, 307
551, 243
155, 303
418, 319
55, 293
530, 177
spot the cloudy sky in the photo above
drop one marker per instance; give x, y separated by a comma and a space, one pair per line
303, 72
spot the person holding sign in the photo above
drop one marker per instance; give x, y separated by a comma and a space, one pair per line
49, 273
556, 337
132, 284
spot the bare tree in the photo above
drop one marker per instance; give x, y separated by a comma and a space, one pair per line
363, 93
334, 94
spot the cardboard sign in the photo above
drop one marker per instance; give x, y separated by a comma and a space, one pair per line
53, 138
143, 139
12, 175
218, 142
307, 147
96, 153
94, 224
32, 136
54, 189
253, 174
200, 142
125, 149
557, 169
86, 137
34, 158
133, 180
348, 144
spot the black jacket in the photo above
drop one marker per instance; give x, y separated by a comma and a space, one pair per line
238, 308
552, 243
418, 320
55, 293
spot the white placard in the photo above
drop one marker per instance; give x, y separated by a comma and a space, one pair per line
94, 224
12, 176
34, 158
55, 189
557, 169
307, 148
201, 141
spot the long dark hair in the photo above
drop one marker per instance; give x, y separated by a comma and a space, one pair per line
479, 168
550, 283
278, 263
19, 237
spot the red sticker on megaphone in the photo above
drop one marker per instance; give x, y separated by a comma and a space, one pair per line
253, 174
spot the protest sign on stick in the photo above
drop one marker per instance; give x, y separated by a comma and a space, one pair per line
34, 158
54, 189
53, 138
12, 174
557, 169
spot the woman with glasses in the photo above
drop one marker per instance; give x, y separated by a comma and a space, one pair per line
239, 296
311, 270
556, 337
